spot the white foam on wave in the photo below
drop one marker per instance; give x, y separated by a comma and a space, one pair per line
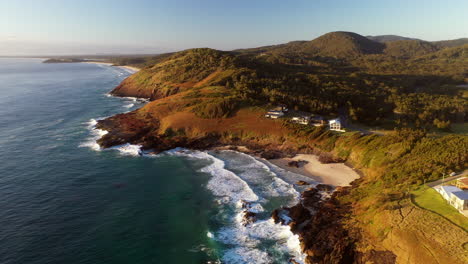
246, 256
247, 238
96, 134
223, 183
268, 182
244, 240
128, 105
129, 149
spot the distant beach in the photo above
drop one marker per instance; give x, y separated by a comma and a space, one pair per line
131, 68
336, 174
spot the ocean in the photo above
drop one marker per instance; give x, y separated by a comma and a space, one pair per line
65, 200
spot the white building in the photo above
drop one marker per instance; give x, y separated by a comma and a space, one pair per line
454, 196
459, 200
336, 124
304, 120
446, 191
274, 114
277, 112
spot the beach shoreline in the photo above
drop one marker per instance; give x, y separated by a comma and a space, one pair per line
335, 174
131, 68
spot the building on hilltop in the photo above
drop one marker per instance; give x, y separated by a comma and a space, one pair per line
454, 196
446, 191
459, 200
277, 112
336, 124
301, 119
274, 114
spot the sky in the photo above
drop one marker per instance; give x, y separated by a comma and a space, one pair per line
59, 27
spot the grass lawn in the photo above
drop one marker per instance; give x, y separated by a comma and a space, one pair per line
427, 198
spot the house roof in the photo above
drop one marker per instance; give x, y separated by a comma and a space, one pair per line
450, 189
463, 180
461, 195
336, 120
318, 118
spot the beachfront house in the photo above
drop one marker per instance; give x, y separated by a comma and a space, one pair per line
454, 196
277, 112
336, 125
301, 119
274, 114
459, 200
446, 191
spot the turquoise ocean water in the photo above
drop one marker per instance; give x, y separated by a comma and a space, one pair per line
63, 200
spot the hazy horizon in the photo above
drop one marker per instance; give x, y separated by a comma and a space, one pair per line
53, 27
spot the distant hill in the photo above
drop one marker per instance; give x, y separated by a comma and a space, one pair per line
451, 43
388, 38
342, 44
338, 44
65, 60
409, 48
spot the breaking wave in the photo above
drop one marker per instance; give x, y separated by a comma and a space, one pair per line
96, 134
243, 184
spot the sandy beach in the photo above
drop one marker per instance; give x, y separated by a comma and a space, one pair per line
96, 62
134, 69
336, 174
131, 68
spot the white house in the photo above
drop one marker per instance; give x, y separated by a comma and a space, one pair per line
454, 196
274, 114
304, 120
336, 124
277, 112
446, 191
459, 200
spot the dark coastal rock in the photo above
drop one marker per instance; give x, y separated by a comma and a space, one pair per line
281, 216
324, 187
326, 158
293, 261
249, 218
297, 163
302, 183
272, 154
